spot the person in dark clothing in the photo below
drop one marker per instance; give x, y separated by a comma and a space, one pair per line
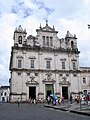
71, 99
18, 102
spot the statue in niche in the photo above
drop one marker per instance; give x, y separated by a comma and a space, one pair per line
32, 78
48, 77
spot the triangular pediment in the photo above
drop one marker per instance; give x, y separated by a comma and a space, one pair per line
32, 82
64, 82
48, 80
47, 28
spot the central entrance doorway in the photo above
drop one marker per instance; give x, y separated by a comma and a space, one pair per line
49, 89
32, 92
65, 92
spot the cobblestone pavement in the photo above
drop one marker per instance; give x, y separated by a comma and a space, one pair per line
35, 112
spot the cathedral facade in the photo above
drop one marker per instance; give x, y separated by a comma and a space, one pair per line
45, 64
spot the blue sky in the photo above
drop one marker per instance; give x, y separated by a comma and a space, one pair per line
72, 15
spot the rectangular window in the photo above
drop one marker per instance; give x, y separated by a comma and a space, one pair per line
48, 66
51, 41
43, 40
85, 92
74, 66
67, 75
75, 75
19, 73
84, 80
19, 63
28, 74
63, 65
32, 63
47, 40
60, 75
36, 74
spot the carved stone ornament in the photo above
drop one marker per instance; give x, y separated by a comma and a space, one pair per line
49, 79
64, 81
32, 81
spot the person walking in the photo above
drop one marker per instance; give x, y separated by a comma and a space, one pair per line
18, 102
63, 99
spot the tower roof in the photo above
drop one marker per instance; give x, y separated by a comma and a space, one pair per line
20, 29
69, 35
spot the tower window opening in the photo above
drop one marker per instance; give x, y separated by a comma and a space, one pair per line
72, 44
20, 39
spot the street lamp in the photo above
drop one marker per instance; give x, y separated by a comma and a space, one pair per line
88, 26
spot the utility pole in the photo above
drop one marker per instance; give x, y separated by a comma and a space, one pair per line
89, 78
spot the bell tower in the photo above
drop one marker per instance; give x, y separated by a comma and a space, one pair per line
19, 36
71, 41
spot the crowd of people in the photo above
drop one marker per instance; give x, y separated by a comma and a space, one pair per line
77, 99
60, 100
55, 101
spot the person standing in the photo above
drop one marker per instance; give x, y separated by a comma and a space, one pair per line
48, 100
71, 99
77, 99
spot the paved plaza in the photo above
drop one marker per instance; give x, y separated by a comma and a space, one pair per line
83, 109
35, 112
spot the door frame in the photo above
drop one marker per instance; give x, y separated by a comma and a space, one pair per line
63, 92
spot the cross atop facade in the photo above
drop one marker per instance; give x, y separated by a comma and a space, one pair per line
46, 22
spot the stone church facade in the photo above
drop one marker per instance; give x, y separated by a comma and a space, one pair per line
45, 64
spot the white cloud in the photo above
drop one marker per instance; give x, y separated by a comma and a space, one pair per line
87, 2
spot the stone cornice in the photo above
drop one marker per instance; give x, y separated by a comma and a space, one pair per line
32, 83
46, 81
35, 48
85, 69
46, 31
45, 70
14, 93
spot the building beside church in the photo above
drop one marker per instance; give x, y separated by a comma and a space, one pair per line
4, 93
45, 64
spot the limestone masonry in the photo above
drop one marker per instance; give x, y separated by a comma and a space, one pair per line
45, 64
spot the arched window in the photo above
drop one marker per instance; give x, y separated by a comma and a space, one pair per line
20, 39
72, 44
1, 94
5, 93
